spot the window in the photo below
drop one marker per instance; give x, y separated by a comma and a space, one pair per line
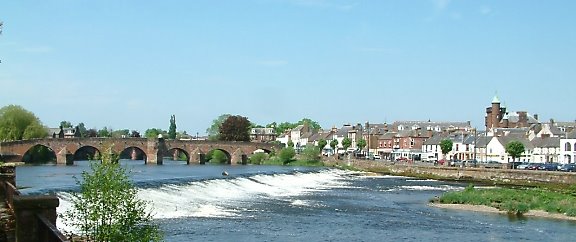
567, 146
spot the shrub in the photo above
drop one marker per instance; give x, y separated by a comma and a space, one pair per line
258, 158
107, 207
286, 155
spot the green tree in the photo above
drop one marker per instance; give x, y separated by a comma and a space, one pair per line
17, 123
290, 143
314, 126
153, 133
172, 129
346, 143
135, 134
286, 155
82, 129
321, 144
515, 149
311, 154
107, 207
66, 124
105, 132
121, 133
446, 146
361, 144
235, 128
214, 130
333, 144
258, 158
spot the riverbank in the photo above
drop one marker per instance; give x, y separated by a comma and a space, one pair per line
487, 209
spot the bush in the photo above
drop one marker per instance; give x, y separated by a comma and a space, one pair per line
107, 207
258, 158
311, 154
286, 155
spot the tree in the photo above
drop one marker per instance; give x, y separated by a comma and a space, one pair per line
290, 143
214, 130
311, 123
217, 156
446, 146
515, 149
66, 124
258, 158
135, 134
17, 123
82, 129
235, 128
361, 144
333, 144
311, 154
286, 155
153, 133
92, 133
321, 144
105, 132
114, 213
346, 142
121, 133
172, 128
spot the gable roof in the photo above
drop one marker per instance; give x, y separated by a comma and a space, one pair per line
546, 142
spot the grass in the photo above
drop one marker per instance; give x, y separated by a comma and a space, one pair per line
515, 200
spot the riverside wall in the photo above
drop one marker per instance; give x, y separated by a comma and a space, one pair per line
509, 176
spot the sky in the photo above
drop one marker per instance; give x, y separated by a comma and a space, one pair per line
127, 64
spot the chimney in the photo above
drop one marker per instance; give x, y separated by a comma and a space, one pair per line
536, 116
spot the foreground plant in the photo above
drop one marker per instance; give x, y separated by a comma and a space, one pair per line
107, 207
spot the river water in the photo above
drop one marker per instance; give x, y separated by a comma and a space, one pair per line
272, 203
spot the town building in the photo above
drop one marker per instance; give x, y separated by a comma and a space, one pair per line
568, 148
262, 134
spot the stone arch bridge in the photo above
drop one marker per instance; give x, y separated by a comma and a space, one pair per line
154, 150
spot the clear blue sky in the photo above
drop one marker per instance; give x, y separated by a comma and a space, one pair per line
132, 64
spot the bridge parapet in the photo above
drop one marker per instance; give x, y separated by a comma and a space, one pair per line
154, 149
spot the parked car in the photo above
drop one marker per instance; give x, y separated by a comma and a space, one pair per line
523, 166
548, 167
534, 166
376, 157
471, 163
568, 167
491, 164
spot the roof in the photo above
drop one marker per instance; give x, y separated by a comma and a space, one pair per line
483, 141
571, 135
514, 117
424, 125
546, 142
434, 140
504, 140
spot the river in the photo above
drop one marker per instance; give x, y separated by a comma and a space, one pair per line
272, 203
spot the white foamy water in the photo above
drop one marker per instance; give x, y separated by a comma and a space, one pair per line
225, 197
423, 188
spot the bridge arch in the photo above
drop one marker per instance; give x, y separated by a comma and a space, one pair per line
86, 152
39, 153
219, 155
133, 153
178, 154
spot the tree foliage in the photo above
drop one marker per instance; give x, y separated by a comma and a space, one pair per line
235, 128
153, 133
214, 130
346, 143
172, 128
311, 154
107, 207
290, 143
515, 149
65, 124
258, 158
17, 123
361, 144
446, 146
282, 127
333, 144
105, 132
322, 143
82, 129
135, 134
286, 155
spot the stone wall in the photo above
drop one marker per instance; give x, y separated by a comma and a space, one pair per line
499, 175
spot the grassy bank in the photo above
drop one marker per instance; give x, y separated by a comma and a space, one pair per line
515, 200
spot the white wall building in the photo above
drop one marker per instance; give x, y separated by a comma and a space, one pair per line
568, 148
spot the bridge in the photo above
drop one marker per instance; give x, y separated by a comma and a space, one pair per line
152, 151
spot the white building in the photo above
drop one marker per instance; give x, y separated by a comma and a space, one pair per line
568, 148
